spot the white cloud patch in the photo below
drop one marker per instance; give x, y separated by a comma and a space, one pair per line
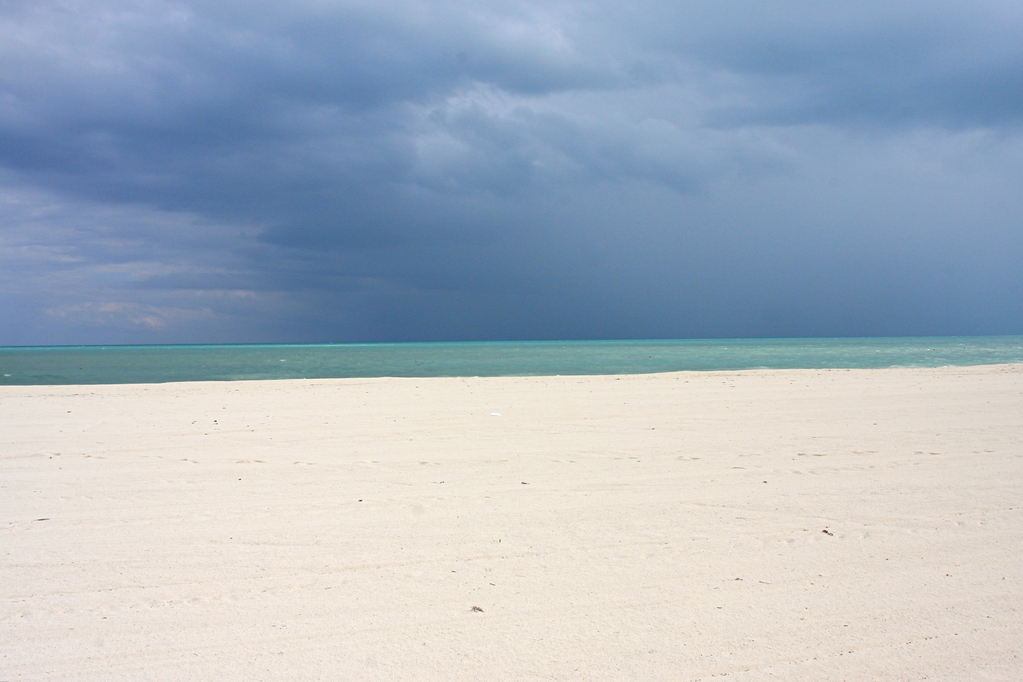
121, 315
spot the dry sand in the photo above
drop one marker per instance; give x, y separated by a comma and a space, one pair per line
796, 525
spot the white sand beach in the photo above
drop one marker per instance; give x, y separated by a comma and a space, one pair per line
792, 524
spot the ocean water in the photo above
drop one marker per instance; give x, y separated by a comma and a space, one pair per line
156, 364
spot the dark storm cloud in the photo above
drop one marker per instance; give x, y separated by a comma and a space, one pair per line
321, 170
942, 63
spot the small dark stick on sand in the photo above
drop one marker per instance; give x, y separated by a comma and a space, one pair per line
478, 609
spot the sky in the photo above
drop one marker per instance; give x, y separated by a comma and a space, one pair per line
251, 171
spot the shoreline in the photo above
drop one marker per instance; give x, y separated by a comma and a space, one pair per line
808, 524
1008, 366
157, 364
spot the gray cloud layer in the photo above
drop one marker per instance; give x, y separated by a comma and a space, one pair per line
342, 171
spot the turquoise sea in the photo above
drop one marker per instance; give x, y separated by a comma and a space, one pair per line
155, 364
